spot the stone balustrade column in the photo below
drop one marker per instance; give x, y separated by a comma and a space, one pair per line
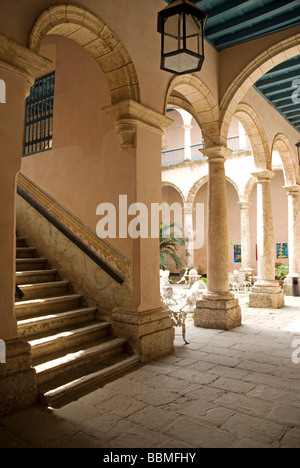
189, 235
246, 237
187, 142
294, 236
267, 292
218, 308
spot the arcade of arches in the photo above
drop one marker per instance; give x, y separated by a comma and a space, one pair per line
116, 116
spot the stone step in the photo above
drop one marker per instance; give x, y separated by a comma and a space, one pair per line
20, 241
44, 290
36, 307
29, 264
32, 277
75, 389
53, 346
37, 327
75, 364
25, 252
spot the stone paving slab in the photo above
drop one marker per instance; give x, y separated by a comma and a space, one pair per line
237, 389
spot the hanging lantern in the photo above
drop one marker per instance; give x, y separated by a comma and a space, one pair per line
181, 25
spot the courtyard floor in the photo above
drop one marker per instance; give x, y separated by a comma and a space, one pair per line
235, 389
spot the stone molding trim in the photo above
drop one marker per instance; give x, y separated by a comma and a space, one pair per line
258, 67
95, 37
109, 255
129, 114
21, 60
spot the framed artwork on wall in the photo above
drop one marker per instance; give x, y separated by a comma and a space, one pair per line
237, 253
282, 250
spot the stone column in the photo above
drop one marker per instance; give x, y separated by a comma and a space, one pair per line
17, 65
148, 326
246, 237
187, 126
189, 235
218, 307
267, 292
294, 237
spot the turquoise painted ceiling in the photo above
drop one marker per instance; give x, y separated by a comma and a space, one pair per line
233, 22
281, 87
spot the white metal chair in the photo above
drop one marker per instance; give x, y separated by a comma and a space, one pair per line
194, 294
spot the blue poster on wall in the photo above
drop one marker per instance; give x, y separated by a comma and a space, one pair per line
237, 254
282, 250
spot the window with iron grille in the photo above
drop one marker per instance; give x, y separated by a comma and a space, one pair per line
39, 115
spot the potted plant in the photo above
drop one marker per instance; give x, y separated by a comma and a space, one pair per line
168, 245
281, 272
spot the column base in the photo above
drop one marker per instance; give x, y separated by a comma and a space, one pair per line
266, 295
248, 271
17, 378
149, 333
288, 285
221, 312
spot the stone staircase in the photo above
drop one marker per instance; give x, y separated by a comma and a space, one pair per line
72, 352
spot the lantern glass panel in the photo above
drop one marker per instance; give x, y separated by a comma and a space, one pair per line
173, 34
194, 34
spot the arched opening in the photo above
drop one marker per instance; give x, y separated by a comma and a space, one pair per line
198, 195
258, 67
286, 154
172, 196
256, 135
96, 38
194, 96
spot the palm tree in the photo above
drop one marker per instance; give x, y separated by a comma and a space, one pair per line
168, 245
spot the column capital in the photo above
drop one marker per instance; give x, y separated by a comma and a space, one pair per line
244, 205
263, 176
21, 60
292, 189
187, 127
129, 114
216, 153
188, 208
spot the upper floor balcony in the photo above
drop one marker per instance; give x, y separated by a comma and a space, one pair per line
178, 155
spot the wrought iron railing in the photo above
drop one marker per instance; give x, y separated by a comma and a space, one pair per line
176, 156
233, 143
171, 157
196, 153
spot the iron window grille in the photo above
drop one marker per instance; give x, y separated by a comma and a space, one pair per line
39, 115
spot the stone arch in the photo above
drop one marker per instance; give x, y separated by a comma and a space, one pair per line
199, 101
203, 180
258, 67
175, 102
235, 186
256, 134
286, 154
195, 187
248, 189
95, 37
170, 184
